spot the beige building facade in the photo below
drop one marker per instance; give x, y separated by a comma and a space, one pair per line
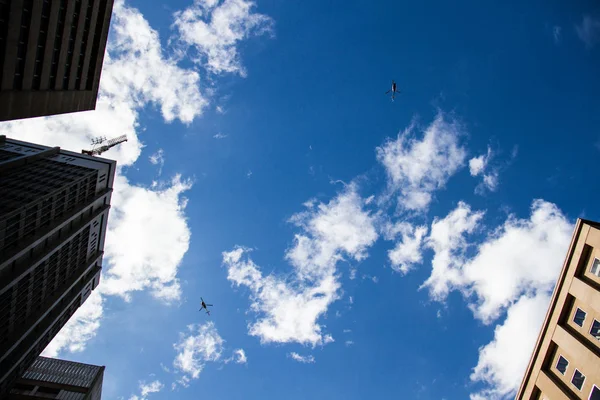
566, 359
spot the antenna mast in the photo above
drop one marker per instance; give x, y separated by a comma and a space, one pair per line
96, 151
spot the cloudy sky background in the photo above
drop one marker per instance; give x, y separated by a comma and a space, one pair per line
353, 247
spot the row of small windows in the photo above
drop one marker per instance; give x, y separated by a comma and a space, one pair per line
578, 378
579, 319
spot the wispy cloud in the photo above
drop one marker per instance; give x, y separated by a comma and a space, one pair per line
289, 308
480, 166
146, 389
240, 356
417, 167
196, 347
199, 345
214, 28
557, 33
302, 359
220, 136
158, 158
407, 251
589, 31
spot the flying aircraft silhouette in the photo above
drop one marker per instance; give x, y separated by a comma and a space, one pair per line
394, 90
204, 306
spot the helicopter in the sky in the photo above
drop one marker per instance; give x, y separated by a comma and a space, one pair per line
204, 306
394, 90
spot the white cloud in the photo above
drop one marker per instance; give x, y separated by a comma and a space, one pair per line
407, 251
153, 387
447, 241
196, 347
158, 158
490, 182
503, 361
302, 359
146, 240
146, 389
589, 31
288, 308
330, 230
288, 313
214, 28
241, 356
480, 166
416, 168
349, 343
80, 328
477, 164
501, 274
504, 267
220, 136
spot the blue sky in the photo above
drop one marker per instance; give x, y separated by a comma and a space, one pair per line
354, 247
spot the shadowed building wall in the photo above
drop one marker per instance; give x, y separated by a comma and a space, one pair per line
53, 213
51, 378
51, 54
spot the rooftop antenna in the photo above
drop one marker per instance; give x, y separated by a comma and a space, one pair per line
98, 141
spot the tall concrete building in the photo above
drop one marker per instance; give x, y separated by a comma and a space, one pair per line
51, 378
51, 54
53, 214
566, 359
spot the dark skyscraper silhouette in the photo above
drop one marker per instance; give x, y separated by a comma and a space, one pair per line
51, 54
51, 378
53, 214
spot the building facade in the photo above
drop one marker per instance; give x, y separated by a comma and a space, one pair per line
566, 359
51, 378
51, 54
53, 214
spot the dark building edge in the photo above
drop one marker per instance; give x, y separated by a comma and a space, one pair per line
20, 104
92, 270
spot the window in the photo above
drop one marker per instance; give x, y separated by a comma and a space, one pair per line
595, 331
579, 317
562, 365
578, 379
595, 393
596, 268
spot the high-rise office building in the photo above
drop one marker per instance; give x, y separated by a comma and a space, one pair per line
566, 359
51, 54
53, 214
51, 378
